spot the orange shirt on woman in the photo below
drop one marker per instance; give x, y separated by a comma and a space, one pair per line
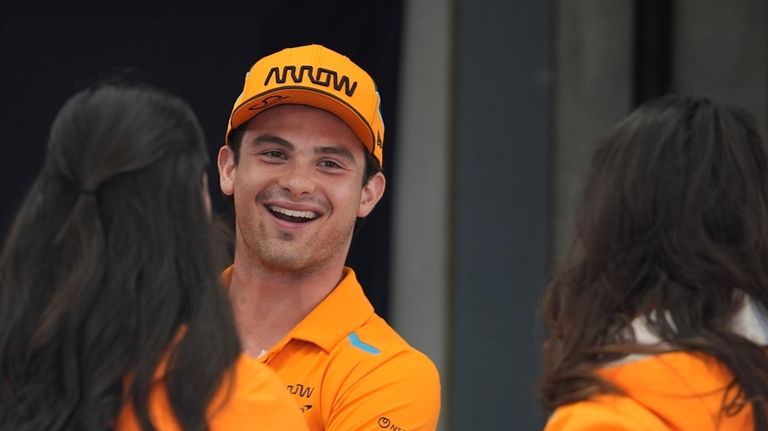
256, 400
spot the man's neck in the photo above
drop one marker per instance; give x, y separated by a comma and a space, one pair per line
268, 304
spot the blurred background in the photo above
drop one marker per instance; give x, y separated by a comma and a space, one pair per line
491, 110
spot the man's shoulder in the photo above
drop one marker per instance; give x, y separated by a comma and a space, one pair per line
376, 344
376, 373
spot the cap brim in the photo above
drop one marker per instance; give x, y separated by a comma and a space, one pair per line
305, 96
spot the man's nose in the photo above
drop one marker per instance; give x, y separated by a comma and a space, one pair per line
298, 179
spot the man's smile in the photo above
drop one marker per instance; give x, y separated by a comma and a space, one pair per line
293, 216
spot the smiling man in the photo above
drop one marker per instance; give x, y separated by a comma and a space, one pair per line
302, 162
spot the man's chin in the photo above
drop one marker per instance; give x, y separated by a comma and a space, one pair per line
283, 266
283, 261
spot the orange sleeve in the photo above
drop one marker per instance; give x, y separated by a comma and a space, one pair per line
606, 413
256, 400
401, 393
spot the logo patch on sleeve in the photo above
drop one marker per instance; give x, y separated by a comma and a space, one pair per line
355, 341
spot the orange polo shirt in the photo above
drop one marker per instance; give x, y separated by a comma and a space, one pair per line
256, 400
348, 370
669, 391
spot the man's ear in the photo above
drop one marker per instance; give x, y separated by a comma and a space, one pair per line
373, 190
227, 170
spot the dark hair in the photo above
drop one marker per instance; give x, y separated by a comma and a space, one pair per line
107, 270
673, 222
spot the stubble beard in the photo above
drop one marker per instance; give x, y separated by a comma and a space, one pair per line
283, 252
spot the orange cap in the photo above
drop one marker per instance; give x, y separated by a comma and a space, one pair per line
316, 76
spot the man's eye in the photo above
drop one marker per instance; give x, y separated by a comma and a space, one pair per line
329, 164
274, 154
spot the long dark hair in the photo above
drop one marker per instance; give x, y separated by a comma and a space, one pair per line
108, 270
673, 222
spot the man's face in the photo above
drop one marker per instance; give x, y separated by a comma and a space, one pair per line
297, 188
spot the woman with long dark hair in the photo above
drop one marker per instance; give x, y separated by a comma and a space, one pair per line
657, 320
111, 311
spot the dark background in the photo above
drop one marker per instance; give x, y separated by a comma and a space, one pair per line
49, 51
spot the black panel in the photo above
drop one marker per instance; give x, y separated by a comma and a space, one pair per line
199, 50
653, 49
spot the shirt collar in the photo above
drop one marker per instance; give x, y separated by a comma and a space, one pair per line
345, 309
750, 321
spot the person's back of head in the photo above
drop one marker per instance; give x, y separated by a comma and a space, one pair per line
672, 228
108, 262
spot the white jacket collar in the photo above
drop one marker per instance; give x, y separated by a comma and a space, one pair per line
751, 322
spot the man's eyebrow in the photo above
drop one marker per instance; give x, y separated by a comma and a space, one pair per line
270, 139
338, 151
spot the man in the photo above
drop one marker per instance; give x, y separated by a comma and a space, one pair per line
302, 162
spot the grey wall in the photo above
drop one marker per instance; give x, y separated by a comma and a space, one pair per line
471, 221
501, 105
500, 207
593, 90
419, 294
721, 50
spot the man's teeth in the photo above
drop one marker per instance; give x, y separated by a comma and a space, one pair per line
294, 213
